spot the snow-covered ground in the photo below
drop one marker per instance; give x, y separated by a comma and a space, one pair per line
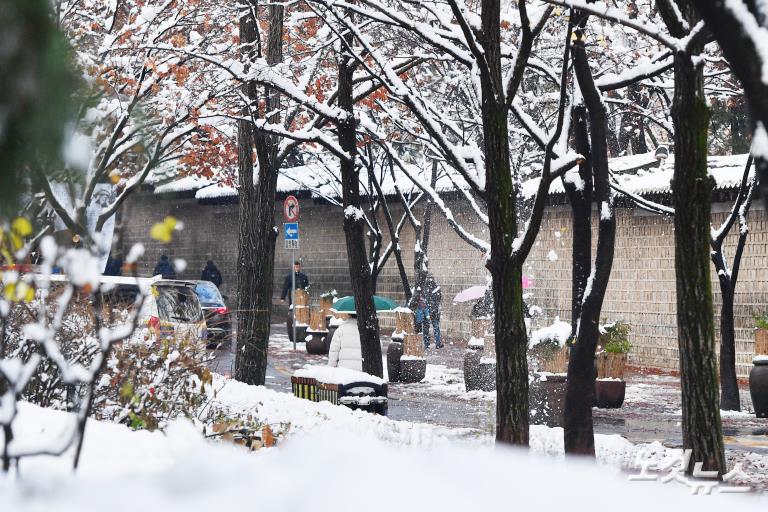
331, 458
302, 415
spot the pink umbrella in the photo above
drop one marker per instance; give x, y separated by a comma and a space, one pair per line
472, 293
477, 292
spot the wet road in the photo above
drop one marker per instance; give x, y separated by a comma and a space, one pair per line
410, 402
651, 410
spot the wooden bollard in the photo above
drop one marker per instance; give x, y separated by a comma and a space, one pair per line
326, 303
413, 345
317, 320
405, 322
479, 327
301, 307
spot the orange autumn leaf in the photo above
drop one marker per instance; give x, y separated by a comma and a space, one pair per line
267, 436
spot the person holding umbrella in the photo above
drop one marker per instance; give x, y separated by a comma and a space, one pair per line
345, 350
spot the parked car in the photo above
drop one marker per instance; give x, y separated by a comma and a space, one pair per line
174, 306
170, 308
217, 314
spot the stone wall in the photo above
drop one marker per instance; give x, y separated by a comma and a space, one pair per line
641, 290
211, 231
642, 286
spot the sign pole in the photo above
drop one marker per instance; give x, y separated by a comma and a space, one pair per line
291, 233
293, 296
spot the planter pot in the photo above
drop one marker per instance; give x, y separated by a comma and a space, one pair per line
487, 375
761, 341
609, 394
472, 370
301, 329
394, 351
610, 365
557, 362
412, 369
758, 387
316, 343
547, 400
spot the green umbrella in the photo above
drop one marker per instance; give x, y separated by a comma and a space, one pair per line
347, 304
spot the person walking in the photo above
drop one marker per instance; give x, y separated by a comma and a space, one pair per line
114, 267
211, 273
302, 282
164, 268
345, 350
434, 298
422, 319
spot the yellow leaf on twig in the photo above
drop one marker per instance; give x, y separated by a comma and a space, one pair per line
21, 226
163, 231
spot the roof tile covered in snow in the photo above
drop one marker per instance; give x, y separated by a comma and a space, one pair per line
641, 174
638, 174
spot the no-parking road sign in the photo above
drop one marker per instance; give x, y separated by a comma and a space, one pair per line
291, 209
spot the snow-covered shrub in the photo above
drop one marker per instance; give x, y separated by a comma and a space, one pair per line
144, 384
545, 344
76, 339
148, 382
614, 338
761, 321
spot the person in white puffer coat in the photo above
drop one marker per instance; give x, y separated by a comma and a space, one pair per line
345, 351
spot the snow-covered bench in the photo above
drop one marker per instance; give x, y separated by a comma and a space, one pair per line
341, 386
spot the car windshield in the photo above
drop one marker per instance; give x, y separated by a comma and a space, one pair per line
178, 304
208, 294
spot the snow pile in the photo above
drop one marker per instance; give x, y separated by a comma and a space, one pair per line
475, 343
559, 331
450, 381
340, 470
332, 375
304, 416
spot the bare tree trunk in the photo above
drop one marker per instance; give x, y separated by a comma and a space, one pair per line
578, 427
506, 271
581, 216
256, 253
691, 194
729, 386
359, 269
421, 256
